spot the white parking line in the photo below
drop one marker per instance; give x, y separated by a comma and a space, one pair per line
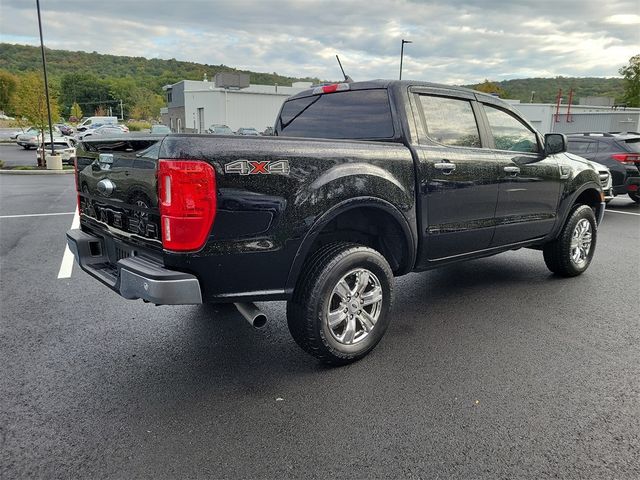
624, 213
37, 215
66, 267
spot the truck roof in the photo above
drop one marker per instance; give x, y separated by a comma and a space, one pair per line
381, 83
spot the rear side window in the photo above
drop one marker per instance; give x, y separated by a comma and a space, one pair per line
450, 121
581, 147
356, 114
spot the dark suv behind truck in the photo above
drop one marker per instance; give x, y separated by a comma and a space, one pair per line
361, 182
620, 152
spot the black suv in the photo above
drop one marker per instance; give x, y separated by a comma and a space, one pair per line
620, 152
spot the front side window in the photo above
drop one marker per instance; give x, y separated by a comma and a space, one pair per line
509, 133
450, 121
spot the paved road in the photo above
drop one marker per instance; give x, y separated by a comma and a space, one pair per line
490, 369
13, 155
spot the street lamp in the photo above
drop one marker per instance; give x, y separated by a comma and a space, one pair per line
402, 54
46, 84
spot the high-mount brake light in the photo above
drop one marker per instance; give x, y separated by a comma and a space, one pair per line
335, 87
188, 202
626, 158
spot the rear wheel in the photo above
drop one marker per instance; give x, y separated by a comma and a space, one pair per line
634, 196
570, 254
340, 309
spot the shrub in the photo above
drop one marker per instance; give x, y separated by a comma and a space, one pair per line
136, 126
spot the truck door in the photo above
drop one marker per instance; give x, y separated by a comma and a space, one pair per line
458, 179
529, 182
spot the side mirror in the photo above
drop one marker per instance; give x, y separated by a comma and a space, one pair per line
555, 143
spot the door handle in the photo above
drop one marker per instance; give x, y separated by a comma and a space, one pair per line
126, 173
446, 167
512, 170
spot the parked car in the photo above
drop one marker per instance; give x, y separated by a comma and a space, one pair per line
401, 176
32, 137
619, 152
101, 130
66, 130
219, 129
247, 131
62, 146
14, 135
268, 132
102, 120
160, 129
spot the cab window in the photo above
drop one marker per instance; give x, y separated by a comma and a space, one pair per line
450, 121
509, 133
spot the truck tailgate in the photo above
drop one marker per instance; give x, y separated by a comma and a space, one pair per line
117, 188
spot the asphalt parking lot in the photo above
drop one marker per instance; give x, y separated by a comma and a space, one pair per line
490, 369
13, 155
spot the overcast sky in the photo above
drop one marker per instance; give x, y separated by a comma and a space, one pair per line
453, 42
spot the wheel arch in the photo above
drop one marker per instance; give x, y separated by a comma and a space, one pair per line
367, 206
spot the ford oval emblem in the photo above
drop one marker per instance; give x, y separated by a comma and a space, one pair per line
106, 187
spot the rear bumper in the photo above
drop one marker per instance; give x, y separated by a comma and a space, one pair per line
133, 277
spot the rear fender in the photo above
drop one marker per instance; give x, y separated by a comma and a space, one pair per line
334, 212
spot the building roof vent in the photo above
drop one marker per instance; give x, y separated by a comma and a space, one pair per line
231, 80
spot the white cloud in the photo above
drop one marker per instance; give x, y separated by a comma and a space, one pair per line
459, 42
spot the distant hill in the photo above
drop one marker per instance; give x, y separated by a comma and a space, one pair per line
547, 88
95, 80
154, 72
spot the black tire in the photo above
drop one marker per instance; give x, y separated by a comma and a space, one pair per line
634, 196
307, 312
26, 147
558, 253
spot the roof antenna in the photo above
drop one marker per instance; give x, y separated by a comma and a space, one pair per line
347, 78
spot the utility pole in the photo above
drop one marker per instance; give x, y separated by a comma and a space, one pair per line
402, 54
121, 111
46, 82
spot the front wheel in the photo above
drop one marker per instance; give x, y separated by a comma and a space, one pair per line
570, 254
340, 309
634, 196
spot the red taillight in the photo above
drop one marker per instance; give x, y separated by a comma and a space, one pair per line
187, 199
626, 158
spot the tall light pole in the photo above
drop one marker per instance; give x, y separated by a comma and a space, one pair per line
402, 54
46, 82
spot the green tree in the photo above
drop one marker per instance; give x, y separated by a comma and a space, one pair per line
8, 84
631, 74
30, 102
86, 89
76, 111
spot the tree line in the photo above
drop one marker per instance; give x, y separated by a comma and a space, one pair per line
96, 81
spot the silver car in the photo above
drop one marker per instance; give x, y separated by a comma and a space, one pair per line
32, 137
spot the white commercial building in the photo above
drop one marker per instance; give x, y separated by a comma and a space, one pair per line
547, 118
193, 106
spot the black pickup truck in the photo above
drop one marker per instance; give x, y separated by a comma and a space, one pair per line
361, 182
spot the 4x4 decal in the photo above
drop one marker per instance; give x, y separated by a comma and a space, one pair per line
254, 167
